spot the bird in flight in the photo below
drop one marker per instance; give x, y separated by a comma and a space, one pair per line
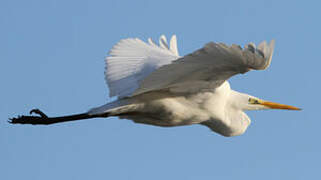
156, 86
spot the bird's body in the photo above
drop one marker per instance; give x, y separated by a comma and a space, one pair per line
156, 86
172, 109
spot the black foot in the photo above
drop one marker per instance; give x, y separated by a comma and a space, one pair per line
41, 119
37, 111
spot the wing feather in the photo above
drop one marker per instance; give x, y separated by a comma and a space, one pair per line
173, 45
136, 67
131, 60
207, 67
163, 42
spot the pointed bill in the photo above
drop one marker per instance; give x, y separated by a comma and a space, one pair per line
273, 105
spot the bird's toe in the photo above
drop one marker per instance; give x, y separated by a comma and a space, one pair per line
27, 120
37, 111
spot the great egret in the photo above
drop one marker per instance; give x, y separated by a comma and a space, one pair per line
156, 86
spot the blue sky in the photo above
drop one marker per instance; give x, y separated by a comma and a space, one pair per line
52, 57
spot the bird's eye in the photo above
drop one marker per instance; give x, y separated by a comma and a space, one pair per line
253, 101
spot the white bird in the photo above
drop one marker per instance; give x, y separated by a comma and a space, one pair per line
156, 86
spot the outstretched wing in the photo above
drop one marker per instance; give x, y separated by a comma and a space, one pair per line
207, 68
132, 60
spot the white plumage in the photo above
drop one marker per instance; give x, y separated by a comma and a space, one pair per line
156, 86
131, 60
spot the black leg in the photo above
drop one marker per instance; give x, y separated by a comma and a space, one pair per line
43, 119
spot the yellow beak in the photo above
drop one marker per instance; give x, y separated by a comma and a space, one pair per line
273, 105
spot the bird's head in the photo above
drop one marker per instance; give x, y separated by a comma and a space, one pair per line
254, 103
248, 102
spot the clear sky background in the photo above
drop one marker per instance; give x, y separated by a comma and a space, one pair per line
52, 57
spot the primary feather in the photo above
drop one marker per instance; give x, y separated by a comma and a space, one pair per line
132, 60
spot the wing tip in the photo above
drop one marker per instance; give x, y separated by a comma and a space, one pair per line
123, 59
173, 45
